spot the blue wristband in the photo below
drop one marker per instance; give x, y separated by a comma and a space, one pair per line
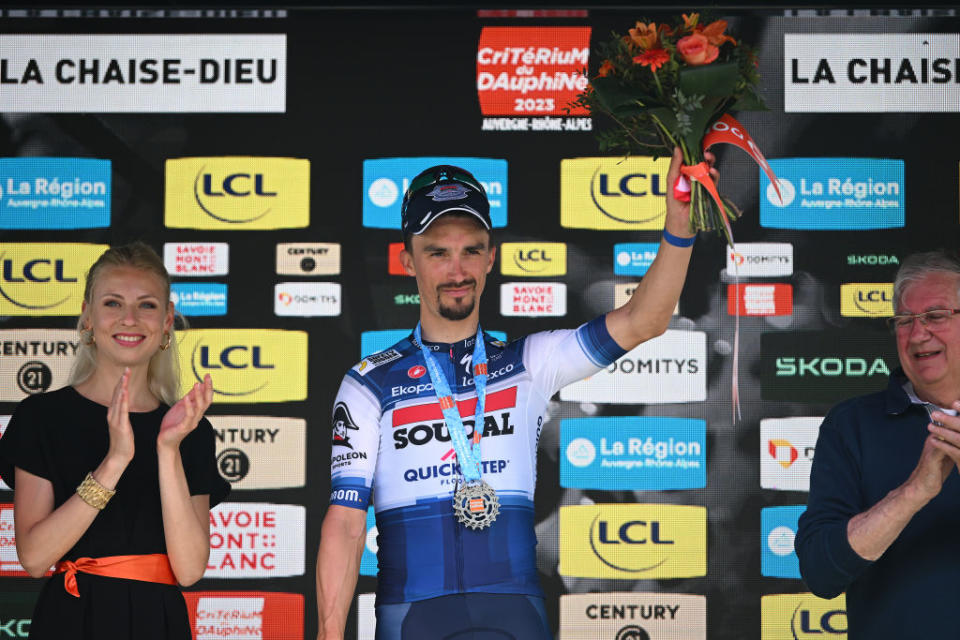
678, 241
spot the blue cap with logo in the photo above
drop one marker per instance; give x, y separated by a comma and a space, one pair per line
439, 190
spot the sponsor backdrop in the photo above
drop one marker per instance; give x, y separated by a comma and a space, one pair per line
268, 172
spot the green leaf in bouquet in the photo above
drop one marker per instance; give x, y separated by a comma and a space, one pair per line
749, 101
700, 120
618, 100
710, 80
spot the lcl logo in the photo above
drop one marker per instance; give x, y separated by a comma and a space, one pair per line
232, 186
531, 259
35, 271
605, 541
803, 623
631, 184
227, 358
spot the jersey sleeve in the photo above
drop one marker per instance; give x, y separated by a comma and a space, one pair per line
558, 358
355, 443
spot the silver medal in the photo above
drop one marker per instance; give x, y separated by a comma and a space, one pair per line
476, 504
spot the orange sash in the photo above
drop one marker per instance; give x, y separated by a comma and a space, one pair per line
153, 567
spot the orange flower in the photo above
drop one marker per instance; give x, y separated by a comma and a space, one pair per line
690, 22
605, 69
714, 33
653, 58
645, 36
696, 50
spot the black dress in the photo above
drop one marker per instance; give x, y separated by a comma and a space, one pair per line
61, 436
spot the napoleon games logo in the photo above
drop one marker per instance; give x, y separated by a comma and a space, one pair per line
343, 424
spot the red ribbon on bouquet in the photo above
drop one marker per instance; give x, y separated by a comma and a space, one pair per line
726, 130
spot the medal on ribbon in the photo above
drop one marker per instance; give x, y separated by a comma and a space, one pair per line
475, 503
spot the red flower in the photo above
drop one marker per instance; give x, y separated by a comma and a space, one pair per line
654, 58
696, 50
605, 69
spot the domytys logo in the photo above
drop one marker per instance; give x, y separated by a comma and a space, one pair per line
633, 616
533, 299
787, 446
215, 615
874, 72
834, 193
633, 258
238, 192
760, 259
35, 360
751, 299
633, 541
533, 259
778, 525
866, 300
185, 259
256, 540
155, 73
669, 368
802, 616
261, 452
308, 258
306, 299
613, 194
44, 278
531, 71
246, 365
824, 366
54, 193
385, 180
638, 453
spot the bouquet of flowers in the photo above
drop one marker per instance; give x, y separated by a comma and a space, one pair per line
665, 85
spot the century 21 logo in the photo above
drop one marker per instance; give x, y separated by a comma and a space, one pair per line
533, 258
247, 365
613, 193
633, 541
237, 193
44, 279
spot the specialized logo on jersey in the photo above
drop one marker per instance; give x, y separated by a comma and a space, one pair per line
44, 278
429, 425
802, 616
239, 192
343, 424
633, 541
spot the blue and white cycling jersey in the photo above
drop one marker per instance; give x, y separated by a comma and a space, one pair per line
389, 437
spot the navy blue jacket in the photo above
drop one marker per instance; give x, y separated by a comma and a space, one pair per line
867, 447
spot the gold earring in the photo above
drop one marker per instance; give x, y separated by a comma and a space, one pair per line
87, 337
165, 344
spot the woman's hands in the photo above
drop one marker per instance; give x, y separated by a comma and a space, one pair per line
118, 419
183, 417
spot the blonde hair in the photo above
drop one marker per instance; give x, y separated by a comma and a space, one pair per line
163, 373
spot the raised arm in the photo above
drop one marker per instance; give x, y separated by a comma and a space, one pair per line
342, 538
186, 518
45, 534
647, 313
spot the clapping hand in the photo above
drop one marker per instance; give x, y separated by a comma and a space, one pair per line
118, 421
183, 417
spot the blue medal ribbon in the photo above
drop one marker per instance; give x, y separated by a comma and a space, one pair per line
468, 454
